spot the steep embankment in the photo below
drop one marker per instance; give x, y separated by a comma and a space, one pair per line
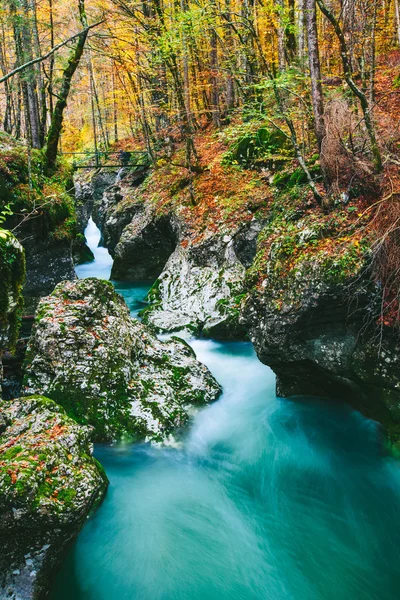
42, 215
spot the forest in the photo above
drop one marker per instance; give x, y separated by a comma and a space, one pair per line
199, 299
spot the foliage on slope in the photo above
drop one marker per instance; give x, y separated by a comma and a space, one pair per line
33, 197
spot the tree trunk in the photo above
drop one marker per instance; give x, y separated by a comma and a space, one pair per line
397, 10
300, 31
315, 71
214, 70
57, 116
230, 88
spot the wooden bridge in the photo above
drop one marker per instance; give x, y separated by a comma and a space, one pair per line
97, 159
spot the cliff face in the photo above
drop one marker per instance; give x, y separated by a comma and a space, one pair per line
42, 215
313, 313
327, 346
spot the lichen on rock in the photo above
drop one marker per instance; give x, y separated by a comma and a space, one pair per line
109, 370
202, 285
48, 484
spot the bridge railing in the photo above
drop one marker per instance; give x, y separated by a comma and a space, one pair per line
95, 160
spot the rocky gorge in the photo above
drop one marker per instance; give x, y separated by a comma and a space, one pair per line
92, 373
313, 318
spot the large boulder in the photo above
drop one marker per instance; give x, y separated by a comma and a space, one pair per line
144, 246
109, 370
327, 345
202, 285
48, 484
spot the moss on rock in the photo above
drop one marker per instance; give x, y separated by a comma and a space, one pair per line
48, 484
12, 276
109, 370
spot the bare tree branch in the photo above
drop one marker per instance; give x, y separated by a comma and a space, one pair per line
52, 51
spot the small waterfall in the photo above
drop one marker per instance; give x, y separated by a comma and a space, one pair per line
119, 174
101, 266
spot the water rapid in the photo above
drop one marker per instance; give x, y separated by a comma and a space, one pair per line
264, 499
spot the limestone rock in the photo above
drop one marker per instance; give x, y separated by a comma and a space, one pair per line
202, 285
327, 344
48, 484
144, 247
109, 370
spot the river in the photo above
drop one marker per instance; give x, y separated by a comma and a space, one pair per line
264, 498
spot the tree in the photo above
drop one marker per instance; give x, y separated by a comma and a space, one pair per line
315, 71
57, 116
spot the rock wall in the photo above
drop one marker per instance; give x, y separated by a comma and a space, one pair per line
329, 343
47, 263
144, 247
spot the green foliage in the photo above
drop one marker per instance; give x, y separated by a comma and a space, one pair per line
4, 213
23, 193
257, 147
12, 277
291, 179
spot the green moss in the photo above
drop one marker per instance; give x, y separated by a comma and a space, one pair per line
12, 277
255, 145
66, 495
57, 217
291, 179
11, 453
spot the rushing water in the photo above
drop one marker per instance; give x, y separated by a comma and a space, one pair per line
265, 499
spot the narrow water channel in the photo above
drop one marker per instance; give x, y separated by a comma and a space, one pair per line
265, 499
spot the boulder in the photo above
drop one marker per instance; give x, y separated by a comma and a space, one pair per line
144, 246
48, 484
109, 370
326, 342
202, 285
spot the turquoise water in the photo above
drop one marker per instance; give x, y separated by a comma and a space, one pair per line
264, 499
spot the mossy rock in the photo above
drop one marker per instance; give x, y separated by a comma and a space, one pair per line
109, 370
48, 484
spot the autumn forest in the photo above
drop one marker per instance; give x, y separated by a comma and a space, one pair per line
199, 299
